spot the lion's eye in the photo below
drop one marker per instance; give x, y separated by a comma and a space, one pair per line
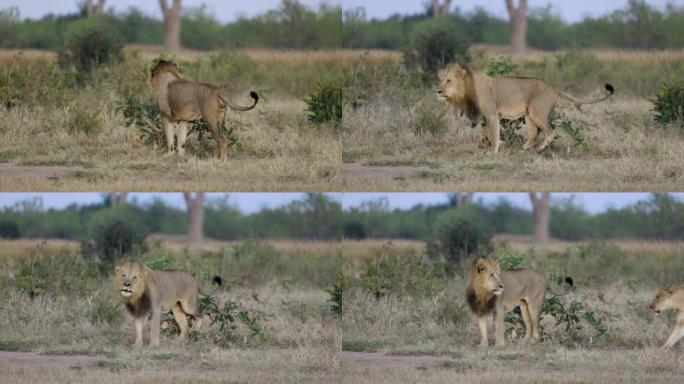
491, 275
135, 277
448, 81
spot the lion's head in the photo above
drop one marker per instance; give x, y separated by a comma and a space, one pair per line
452, 83
484, 285
161, 69
665, 299
130, 280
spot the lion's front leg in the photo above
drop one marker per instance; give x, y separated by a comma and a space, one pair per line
494, 133
499, 326
138, 323
181, 136
482, 322
167, 126
155, 326
676, 334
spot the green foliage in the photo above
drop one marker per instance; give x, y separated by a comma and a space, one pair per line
160, 262
114, 233
572, 317
409, 274
106, 310
501, 66
431, 120
435, 43
63, 273
511, 259
324, 103
336, 292
86, 120
458, 233
90, 43
36, 85
145, 116
9, 230
228, 315
668, 103
575, 132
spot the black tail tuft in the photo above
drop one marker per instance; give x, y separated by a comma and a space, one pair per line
610, 88
254, 96
568, 281
218, 280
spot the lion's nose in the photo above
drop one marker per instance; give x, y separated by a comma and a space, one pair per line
127, 284
501, 286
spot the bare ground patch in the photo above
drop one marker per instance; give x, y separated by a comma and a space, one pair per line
33, 359
39, 172
366, 359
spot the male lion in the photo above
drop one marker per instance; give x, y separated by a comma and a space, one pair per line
144, 290
488, 289
485, 99
671, 297
180, 100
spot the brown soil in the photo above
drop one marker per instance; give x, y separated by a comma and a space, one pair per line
38, 171
36, 360
354, 170
392, 361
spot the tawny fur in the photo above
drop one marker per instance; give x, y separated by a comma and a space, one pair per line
488, 100
146, 291
671, 297
180, 100
490, 290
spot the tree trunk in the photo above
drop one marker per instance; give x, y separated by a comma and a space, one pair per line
518, 20
92, 9
437, 10
116, 199
172, 25
461, 199
541, 214
195, 216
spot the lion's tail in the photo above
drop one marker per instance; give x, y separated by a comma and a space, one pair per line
239, 108
610, 90
218, 282
569, 284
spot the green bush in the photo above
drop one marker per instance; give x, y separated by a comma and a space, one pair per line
435, 43
113, 234
407, 274
227, 316
63, 273
460, 233
324, 103
106, 310
89, 43
669, 103
336, 292
501, 66
9, 230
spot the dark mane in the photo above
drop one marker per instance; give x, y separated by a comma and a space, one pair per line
478, 306
472, 111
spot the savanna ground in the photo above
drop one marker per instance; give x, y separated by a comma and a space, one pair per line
59, 132
405, 318
59, 311
398, 137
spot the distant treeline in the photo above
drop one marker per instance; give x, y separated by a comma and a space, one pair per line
292, 25
637, 26
322, 218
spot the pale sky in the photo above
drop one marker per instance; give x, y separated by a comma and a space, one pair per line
224, 10
253, 202
570, 10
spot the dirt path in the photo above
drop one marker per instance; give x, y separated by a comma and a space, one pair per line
391, 361
38, 171
354, 170
36, 360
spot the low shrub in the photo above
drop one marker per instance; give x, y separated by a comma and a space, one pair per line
89, 43
435, 43
324, 103
114, 233
668, 103
460, 233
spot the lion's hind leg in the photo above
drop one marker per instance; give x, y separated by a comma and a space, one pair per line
532, 132
539, 114
191, 308
525, 311
181, 319
676, 334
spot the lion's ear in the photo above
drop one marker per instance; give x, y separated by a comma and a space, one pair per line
481, 265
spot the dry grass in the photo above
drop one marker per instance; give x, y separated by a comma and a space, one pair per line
301, 339
281, 151
627, 152
440, 325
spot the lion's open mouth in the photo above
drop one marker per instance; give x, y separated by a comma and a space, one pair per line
497, 292
126, 292
441, 97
